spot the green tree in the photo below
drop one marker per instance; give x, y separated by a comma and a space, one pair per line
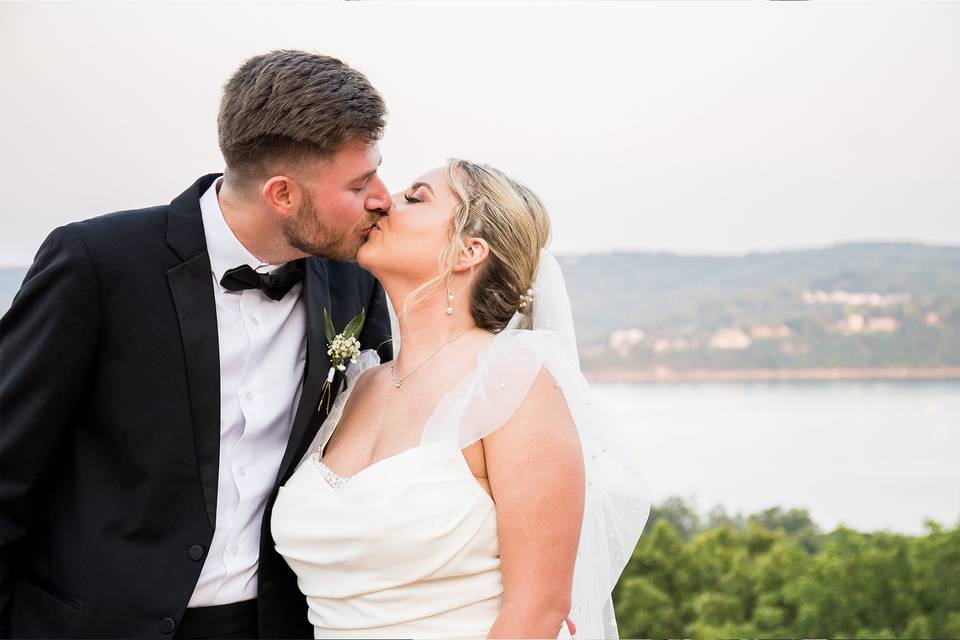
774, 574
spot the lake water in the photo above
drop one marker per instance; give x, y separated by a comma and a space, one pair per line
871, 455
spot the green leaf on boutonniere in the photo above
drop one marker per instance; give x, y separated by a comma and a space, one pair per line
353, 327
328, 326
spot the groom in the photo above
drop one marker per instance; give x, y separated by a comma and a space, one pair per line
160, 373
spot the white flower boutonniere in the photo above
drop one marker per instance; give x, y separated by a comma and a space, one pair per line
341, 347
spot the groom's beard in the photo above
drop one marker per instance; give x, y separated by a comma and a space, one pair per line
307, 232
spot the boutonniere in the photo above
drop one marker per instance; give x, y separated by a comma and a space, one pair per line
341, 347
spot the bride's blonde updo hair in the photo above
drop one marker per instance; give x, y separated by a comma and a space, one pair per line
515, 225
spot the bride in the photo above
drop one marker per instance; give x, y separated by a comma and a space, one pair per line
471, 487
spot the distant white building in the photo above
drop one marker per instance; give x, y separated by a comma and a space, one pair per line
730, 338
858, 323
763, 331
882, 324
853, 323
623, 340
675, 344
855, 299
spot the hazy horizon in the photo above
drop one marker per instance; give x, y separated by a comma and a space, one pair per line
583, 254
695, 128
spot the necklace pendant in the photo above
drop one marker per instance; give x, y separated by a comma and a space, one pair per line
393, 365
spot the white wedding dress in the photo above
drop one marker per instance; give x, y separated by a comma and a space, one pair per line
408, 548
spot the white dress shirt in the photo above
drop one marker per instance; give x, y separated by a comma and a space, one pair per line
262, 356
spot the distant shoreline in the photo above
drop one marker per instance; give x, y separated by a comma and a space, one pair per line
769, 375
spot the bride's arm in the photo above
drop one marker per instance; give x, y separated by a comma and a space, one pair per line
535, 468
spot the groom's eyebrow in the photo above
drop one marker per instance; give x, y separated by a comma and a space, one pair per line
370, 173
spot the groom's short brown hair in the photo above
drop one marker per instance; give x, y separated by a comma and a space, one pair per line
286, 105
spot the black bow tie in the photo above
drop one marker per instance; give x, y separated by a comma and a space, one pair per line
274, 285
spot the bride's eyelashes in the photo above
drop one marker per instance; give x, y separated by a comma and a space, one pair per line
411, 199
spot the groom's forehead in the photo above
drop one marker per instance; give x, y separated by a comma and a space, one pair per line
356, 160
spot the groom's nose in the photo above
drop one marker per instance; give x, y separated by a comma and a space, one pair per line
379, 199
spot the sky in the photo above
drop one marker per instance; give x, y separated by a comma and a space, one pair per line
694, 127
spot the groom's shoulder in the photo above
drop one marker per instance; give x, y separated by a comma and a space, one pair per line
147, 226
124, 222
132, 229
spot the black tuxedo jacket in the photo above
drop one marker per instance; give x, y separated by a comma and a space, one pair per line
110, 426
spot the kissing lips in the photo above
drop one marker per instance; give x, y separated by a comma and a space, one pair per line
366, 232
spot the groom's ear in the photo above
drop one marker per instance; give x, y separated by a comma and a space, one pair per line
282, 194
474, 253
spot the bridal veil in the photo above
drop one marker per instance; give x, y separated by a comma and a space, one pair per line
616, 501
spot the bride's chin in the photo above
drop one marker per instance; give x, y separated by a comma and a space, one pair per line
366, 257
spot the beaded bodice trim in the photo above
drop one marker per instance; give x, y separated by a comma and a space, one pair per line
336, 482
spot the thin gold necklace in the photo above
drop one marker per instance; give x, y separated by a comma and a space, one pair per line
393, 364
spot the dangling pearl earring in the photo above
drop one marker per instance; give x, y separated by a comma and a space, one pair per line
449, 302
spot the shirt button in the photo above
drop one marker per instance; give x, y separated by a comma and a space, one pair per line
167, 625
254, 321
235, 550
196, 552
248, 395
242, 471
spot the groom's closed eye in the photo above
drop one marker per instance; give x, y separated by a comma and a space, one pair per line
360, 182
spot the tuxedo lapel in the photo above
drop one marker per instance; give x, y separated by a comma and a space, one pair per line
192, 290
316, 298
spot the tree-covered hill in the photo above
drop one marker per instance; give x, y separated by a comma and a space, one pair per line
869, 305
854, 305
